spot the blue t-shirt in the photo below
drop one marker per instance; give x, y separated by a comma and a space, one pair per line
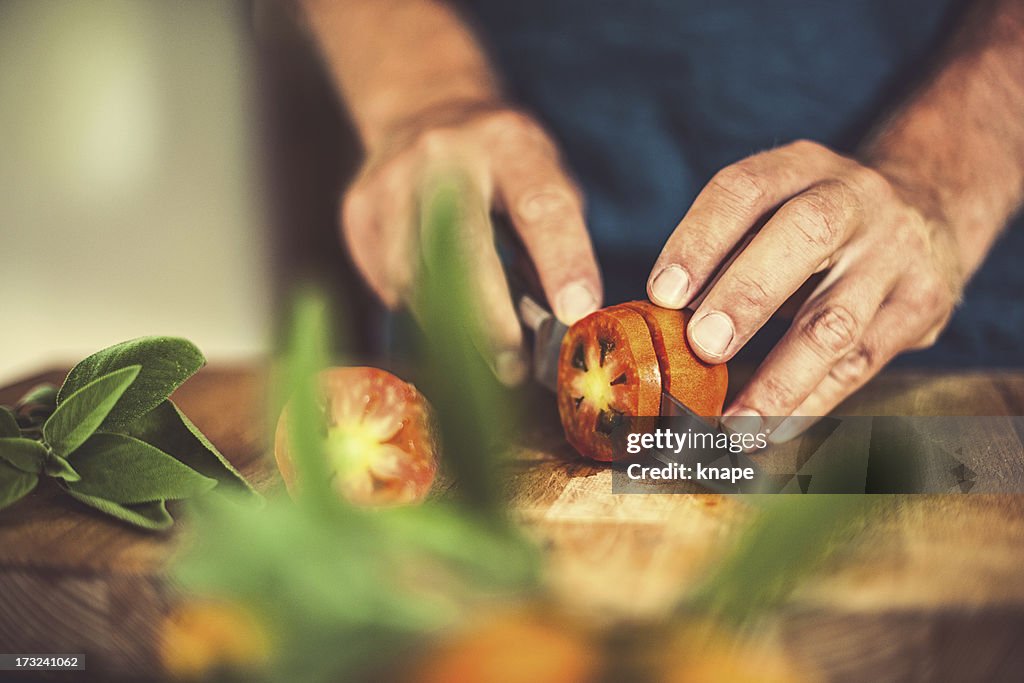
649, 98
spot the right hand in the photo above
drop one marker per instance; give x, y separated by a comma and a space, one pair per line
513, 166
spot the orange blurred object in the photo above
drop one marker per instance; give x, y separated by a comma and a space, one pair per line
518, 646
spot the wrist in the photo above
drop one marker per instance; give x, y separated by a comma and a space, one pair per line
964, 232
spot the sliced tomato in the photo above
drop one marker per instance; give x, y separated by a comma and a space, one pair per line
379, 438
608, 381
701, 387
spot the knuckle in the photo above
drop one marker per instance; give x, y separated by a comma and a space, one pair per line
745, 190
776, 396
355, 208
751, 292
931, 295
511, 120
546, 203
853, 368
434, 141
831, 331
805, 146
873, 183
512, 125
817, 216
929, 339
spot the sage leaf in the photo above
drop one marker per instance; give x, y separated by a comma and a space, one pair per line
166, 363
81, 413
59, 468
152, 516
41, 394
168, 429
26, 455
15, 484
8, 423
123, 469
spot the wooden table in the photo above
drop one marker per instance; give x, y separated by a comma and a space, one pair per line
935, 589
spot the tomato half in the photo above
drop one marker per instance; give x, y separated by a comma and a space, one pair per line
700, 386
379, 439
608, 380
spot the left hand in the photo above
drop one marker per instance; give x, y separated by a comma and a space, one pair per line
894, 276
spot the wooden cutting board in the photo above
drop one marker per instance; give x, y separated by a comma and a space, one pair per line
934, 590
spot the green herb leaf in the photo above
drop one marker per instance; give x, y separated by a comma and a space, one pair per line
26, 455
166, 363
788, 540
152, 515
59, 468
41, 394
168, 429
122, 469
8, 424
14, 484
81, 413
307, 356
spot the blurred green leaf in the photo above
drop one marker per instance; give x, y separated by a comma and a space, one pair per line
8, 424
789, 539
474, 413
152, 516
14, 484
41, 394
167, 428
307, 356
122, 469
351, 590
166, 363
27, 455
81, 413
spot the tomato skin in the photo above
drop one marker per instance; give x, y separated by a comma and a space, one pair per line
607, 367
700, 386
515, 645
650, 349
380, 438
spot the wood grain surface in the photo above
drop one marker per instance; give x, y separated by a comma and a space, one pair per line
933, 591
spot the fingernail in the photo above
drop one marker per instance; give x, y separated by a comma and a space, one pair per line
744, 421
575, 301
509, 368
713, 333
790, 428
669, 287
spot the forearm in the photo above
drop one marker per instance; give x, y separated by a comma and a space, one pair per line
958, 144
392, 59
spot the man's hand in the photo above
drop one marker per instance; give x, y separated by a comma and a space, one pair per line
425, 101
512, 166
893, 275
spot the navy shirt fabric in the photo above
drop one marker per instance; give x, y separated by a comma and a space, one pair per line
649, 98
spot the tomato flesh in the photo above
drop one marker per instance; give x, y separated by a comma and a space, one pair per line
379, 438
608, 381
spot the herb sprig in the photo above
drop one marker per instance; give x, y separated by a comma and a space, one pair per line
112, 439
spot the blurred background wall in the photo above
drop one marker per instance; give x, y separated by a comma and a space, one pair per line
130, 182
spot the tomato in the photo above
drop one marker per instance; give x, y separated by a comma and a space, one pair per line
199, 638
379, 438
608, 380
700, 386
512, 646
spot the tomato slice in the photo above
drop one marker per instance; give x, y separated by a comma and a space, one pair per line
379, 439
608, 381
701, 387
